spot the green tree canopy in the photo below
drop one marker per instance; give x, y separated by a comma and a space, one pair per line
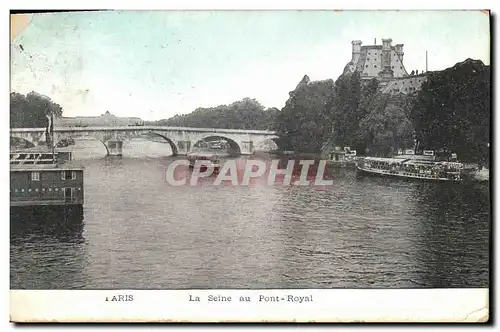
306, 122
345, 110
29, 111
452, 111
243, 114
387, 126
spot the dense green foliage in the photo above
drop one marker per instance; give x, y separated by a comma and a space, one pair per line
305, 122
348, 113
244, 114
29, 111
386, 125
452, 112
345, 110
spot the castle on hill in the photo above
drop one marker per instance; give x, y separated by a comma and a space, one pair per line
385, 63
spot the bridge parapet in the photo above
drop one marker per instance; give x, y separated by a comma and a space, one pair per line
153, 128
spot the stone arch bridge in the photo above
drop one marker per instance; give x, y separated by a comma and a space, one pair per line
181, 139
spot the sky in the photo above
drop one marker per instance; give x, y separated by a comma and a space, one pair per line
156, 64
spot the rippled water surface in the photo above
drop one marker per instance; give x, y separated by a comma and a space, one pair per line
141, 233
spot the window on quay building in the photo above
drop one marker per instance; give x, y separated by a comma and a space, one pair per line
68, 175
35, 176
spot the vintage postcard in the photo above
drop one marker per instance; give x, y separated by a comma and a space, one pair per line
250, 166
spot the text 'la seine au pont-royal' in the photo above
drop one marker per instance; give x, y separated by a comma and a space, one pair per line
258, 298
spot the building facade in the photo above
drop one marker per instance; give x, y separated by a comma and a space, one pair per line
385, 63
33, 186
105, 120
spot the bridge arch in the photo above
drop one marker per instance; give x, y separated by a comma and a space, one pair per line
127, 136
61, 139
173, 146
234, 146
104, 138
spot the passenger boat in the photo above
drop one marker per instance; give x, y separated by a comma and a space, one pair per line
346, 158
411, 167
212, 159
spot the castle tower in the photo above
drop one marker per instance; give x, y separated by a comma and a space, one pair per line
387, 71
399, 51
356, 50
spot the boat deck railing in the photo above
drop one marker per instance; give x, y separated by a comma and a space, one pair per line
32, 158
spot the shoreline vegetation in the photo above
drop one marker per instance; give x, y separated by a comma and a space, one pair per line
451, 113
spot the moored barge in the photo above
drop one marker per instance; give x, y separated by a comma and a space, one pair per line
38, 178
45, 192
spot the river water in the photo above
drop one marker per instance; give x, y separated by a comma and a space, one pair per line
362, 232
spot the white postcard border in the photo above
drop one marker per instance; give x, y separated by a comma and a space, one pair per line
306, 305
33, 300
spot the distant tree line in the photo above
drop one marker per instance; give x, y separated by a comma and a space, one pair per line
244, 114
29, 111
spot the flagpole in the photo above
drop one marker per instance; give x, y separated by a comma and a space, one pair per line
52, 134
49, 133
426, 62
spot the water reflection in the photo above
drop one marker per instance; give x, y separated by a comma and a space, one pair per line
362, 232
47, 248
56, 221
341, 237
455, 235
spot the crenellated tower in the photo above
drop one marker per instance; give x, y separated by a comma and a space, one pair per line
387, 72
356, 50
